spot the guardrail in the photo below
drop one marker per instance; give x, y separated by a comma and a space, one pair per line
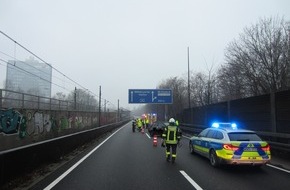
277, 141
16, 162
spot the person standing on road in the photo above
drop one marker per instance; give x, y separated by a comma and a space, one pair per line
147, 122
139, 124
171, 137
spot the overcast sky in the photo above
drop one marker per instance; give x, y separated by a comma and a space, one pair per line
127, 44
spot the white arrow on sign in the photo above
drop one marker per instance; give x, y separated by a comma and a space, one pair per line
153, 98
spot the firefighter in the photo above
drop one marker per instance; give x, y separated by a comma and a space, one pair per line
171, 137
139, 124
147, 122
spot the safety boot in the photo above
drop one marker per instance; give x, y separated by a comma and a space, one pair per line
168, 158
172, 160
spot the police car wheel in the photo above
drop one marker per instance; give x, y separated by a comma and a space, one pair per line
214, 161
191, 149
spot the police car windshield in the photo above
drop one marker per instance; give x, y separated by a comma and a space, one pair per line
238, 136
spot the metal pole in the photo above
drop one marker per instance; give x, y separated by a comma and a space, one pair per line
38, 103
22, 105
105, 111
188, 77
118, 117
100, 94
105, 105
50, 104
0, 98
75, 98
188, 72
288, 60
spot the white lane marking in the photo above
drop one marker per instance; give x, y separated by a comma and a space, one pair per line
193, 183
148, 136
287, 171
78, 163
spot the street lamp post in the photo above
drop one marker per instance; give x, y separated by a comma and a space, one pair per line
188, 78
118, 116
100, 94
288, 58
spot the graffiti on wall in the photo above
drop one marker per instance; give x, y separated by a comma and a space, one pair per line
11, 122
30, 122
38, 123
19, 127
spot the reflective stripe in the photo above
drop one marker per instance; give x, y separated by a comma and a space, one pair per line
171, 135
239, 153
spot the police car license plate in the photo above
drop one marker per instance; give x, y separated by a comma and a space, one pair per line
250, 149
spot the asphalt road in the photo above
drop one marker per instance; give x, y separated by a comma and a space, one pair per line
128, 160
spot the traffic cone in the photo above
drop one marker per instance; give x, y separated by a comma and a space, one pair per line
154, 140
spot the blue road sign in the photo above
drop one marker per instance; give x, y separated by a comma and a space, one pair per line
150, 96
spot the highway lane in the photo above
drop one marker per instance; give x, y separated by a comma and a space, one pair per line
125, 161
129, 161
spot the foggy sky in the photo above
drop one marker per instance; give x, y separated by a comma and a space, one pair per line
127, 44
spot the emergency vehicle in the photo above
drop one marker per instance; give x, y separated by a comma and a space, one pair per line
224, 143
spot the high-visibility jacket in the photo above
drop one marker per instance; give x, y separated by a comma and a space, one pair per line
139, 123
171, 134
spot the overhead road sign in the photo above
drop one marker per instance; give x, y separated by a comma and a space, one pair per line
150, 96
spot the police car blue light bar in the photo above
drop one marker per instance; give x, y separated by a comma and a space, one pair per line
234, 126
215, 125
224, 125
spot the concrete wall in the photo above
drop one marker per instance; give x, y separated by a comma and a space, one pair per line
20, 127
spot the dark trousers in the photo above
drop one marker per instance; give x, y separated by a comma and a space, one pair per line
171, 147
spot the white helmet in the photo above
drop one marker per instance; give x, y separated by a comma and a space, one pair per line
171, 120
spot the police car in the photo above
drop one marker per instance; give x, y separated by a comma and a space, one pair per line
224, 143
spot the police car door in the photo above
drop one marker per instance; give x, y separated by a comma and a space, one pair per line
198, 142
209, 141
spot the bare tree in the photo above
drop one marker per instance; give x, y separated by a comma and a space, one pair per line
179, 93
230, 83
84, 100
59, 96
198, 89
258, 62
204, 89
